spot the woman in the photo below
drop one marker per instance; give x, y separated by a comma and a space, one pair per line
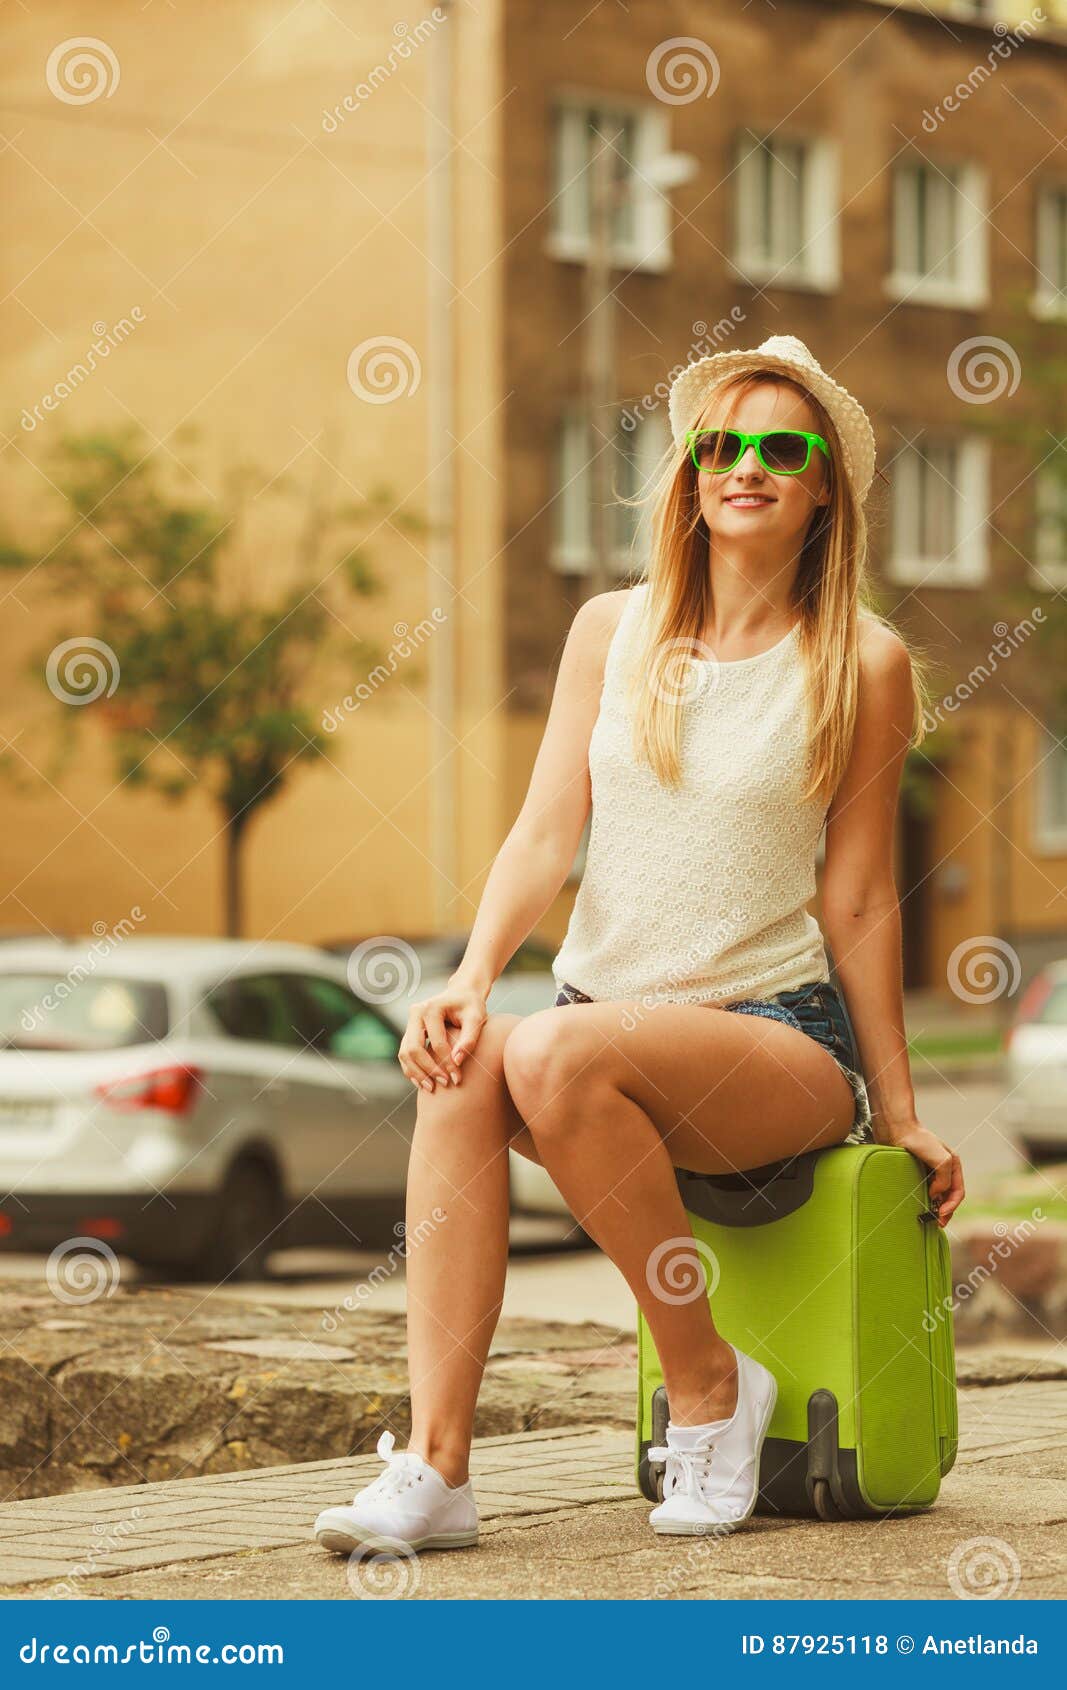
716, 715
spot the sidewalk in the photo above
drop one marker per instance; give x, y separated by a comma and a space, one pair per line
562, 1518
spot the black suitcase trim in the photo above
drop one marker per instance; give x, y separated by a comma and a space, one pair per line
753, 1197
815, 1479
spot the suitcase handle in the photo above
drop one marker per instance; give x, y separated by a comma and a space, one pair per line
754, 1196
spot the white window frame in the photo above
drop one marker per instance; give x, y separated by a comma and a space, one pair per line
967, 565
650, 246
970, 287
1050, 253
572, 545
650, 439
1048, 564
572, 541
816, 266
1050, 834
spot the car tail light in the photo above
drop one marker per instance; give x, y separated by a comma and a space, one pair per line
100, 1226
172, 1089
1031, 1004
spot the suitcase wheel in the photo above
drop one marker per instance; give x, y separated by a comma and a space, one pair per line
822, 1496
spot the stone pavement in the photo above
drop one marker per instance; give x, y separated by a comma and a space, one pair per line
562, 1519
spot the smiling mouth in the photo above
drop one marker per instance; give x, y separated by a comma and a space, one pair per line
748, 501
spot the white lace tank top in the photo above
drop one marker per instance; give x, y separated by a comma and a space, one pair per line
698, 893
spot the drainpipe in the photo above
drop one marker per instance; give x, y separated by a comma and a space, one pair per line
440, 417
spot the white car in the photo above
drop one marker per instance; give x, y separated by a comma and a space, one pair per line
520, 990
1036, 1105
196, 1103
533, 1191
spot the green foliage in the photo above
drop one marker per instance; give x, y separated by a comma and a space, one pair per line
214, 650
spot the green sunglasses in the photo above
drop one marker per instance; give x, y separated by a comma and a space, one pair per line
782, 451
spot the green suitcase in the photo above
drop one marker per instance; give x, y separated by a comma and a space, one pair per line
829, 1268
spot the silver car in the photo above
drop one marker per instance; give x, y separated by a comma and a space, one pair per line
196, 1103
1036, 1105
526, 985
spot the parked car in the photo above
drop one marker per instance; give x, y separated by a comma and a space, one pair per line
196, 1103
1036, 1106
525, 985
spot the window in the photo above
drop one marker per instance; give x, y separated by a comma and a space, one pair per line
939, 241
78, 1010
1049, 565
639, 218
573, 545
1050, 294
638, 458
1050, 778
940, 504
634, 460
256, 1008
785, 212
332, 1020
1053, 1012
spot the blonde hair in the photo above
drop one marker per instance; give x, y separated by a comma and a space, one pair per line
830, 588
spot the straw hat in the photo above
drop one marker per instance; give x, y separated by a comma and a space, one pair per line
691, 389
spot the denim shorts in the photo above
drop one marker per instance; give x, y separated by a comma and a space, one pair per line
816, 1009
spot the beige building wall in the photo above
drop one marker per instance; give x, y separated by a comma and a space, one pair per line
263, 229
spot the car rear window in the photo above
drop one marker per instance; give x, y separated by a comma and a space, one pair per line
79, 1011
1054, 1009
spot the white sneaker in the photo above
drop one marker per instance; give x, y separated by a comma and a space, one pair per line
712, 1477
409, 1506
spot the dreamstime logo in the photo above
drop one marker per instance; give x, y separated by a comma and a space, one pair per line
383, 969
81, 670
82, 1269
682, 70
978, 1275
1007, 641
983, 369
706, 339
107, 338
724, 935
407, 39
984, 1568
81, 70
676, 1270
109, 1536
407, 641
1008, 40
684, 673
383, 1575
675, 1579
105, 941
984, 968
406, 1242
383, 369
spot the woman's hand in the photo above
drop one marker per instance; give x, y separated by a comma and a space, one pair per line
429, 1021
946, 1180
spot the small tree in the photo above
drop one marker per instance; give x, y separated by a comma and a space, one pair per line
198, 664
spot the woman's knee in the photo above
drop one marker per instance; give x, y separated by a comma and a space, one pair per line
548, 1061
482, 1085
486, 1060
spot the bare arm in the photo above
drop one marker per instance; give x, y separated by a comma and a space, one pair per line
861, 910
533, 862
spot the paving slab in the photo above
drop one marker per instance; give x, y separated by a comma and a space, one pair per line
1001, 1516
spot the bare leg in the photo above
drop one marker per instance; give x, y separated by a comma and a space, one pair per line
614, 1108
457, 1227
